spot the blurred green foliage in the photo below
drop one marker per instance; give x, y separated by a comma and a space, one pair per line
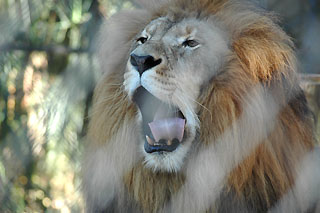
47, 75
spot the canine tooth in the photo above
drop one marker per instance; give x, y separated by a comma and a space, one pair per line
149, 140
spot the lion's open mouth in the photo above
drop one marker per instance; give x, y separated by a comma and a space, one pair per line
163, 124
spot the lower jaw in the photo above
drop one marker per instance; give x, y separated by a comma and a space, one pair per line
167, 162
149, 149
161, 148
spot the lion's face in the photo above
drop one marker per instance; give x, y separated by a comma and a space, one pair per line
169, 64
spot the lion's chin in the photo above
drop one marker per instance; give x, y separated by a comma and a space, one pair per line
167, 161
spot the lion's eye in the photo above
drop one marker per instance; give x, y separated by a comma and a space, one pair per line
190, 43
142, 40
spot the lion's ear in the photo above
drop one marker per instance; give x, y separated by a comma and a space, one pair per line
265, 51
115, 38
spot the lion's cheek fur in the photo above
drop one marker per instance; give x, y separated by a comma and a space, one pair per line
268, 166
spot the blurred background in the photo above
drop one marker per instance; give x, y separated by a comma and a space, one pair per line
47, 74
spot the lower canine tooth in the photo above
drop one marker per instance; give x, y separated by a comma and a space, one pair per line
149, 140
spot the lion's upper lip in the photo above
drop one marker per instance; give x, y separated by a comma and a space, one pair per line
166, 121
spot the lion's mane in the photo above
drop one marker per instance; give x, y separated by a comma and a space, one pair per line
258, 161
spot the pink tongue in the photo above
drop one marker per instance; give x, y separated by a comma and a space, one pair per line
168, 128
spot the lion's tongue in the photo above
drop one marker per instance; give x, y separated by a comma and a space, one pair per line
168, 128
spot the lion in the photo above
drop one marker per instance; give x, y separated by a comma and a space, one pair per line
199, 109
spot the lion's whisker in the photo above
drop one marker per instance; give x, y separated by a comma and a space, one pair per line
198, 103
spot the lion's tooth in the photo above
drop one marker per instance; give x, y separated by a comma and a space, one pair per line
149, 140
169, 142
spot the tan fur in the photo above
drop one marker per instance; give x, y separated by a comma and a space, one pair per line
164, 185
116, 109
261, 53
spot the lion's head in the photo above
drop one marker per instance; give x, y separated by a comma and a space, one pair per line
195, 95
170, 62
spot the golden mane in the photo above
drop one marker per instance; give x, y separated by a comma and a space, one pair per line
262, 54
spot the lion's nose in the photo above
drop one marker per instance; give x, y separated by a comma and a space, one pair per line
143, 63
